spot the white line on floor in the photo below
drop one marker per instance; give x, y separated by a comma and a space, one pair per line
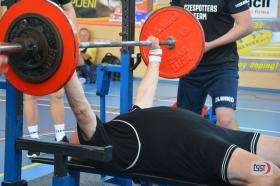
43, 134
116, 107
259, 130
66, 107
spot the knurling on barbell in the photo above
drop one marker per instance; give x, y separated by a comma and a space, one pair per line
44, 48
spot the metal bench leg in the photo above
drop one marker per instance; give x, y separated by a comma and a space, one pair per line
61, 176
75, 177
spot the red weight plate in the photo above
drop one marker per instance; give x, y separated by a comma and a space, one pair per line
68, 35
185, 29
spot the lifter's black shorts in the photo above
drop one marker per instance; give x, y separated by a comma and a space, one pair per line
220, 152
194, 148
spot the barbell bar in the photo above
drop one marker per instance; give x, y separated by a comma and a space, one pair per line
12, 48
169, 42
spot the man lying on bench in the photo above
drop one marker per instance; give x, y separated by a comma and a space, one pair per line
175, 143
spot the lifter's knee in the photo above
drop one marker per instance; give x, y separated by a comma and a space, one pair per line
270, 180
275, 179
57, 96
240, 170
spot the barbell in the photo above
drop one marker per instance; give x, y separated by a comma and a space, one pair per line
169, 42
42, 46
12, 48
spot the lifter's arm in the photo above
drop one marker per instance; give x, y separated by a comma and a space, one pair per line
80, 106
70, 12
77, 100
147, 87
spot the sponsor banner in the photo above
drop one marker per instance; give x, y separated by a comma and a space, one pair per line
259, 66
109, 12
264, 8
260, 51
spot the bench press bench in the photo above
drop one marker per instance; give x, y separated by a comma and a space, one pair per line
68, 172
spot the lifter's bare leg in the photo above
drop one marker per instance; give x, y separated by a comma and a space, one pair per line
268, 147
239, 170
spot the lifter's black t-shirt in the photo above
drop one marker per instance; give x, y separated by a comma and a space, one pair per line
146, 140
216, 20
164, 141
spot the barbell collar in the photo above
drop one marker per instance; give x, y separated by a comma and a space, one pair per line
10, 48
169, 42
